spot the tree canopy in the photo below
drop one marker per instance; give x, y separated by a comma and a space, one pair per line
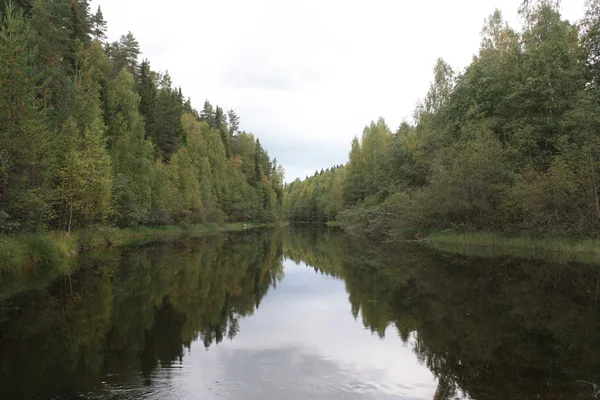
511, 143
91, 135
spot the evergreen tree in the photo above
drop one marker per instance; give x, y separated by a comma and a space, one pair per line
81, 21
23, 139
89, 136
125, 53
208, 114
167, 132
147, 91
99, 25
234, 122
51, 23
219, 118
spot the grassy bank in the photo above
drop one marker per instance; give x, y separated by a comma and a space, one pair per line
495, 244
19, 251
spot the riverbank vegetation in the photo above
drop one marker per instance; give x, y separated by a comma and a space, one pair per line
510, 144
30, 249
91, 138
129, 309
489, 244
493, 328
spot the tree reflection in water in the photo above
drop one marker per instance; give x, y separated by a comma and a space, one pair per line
488, 328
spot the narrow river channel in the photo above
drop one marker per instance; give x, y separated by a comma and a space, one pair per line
299, 313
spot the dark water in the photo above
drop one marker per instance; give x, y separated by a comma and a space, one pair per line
299, 314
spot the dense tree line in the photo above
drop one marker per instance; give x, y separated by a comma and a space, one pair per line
511, 143
90, 135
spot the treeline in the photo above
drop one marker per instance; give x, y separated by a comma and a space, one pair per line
89, 135
510, 144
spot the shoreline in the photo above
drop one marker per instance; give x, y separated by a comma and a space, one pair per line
490, 244
28, 250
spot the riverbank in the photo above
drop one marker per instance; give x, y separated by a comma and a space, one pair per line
495, 244
28, 250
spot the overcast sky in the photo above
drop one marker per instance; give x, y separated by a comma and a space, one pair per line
307, 76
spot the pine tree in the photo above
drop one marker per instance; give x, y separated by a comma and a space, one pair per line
125, 53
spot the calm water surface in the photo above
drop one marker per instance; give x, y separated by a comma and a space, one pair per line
299, 314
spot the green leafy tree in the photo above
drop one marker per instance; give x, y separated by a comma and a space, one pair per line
132, 154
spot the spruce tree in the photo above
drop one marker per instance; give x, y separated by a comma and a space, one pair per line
167, 132
147, 89
99, 25
23, 136
208, 114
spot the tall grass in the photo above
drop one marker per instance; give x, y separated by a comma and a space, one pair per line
496, 244
27, 250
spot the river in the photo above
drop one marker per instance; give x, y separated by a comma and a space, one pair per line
299, 313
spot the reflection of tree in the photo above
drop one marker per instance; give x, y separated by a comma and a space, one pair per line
493, 328
132, 309
445, 389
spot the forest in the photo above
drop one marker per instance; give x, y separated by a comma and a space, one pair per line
90, 136
510, 144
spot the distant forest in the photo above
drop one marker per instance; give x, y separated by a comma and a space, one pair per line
89, 135
509, 144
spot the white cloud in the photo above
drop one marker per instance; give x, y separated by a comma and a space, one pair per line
306, 76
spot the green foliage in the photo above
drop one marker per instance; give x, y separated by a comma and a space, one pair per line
511, 144
132, 309
166, 130
132, 154
23, 136
88, 135
494, 327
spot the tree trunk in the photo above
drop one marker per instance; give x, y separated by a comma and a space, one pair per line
70, 219
595, 189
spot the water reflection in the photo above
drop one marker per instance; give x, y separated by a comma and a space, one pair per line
132, 310
487, 328
218, 318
